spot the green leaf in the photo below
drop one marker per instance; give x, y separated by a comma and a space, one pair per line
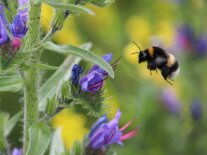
57, 145
102, 3
45, 66
74, 8
10, 83
3, 119
11, 123
53, 84
77, 148
85, 54
39, 139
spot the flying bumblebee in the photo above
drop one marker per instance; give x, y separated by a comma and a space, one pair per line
158, 58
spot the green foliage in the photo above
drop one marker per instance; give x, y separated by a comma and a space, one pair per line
52, 105
53, 84
77, 149
10, 124
93, 103
39, 139
101, 3
85, 54
74, 8
6, 126
3, 119
10, 83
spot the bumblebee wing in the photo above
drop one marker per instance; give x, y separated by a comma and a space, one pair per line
160, 60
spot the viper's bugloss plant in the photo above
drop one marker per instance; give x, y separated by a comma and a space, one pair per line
86, 89
22, 42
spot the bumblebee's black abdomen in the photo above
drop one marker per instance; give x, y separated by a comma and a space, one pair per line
174, 67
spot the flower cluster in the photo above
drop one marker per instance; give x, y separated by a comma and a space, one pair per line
93, 81
12, 33
104, 134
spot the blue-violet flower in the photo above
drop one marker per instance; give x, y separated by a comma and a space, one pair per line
3, 32
77, 70
19, 26
17, 151
103, 134
93, 81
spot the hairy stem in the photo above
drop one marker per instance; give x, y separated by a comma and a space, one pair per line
31, 75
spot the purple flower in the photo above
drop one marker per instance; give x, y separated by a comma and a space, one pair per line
3, 32
103, 133
171, 102
94, 80
201, 45
17, 151
19, 26
75, 75
196, 110
107, 58
185, 37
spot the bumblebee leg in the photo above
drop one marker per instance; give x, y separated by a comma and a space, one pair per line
171, 79
168, 82
156, 71
165, 74
150, 72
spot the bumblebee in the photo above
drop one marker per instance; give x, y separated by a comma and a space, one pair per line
158, 58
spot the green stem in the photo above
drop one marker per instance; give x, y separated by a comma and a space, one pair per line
31, 76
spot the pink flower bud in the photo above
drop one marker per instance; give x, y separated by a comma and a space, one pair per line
16, 43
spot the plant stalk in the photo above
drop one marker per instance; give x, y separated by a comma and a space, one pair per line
31, 76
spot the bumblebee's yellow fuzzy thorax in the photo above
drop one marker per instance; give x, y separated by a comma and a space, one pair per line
151, 51
171, 60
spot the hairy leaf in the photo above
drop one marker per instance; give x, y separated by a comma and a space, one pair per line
53, 84
10, 83
39, 139
85, 54
11, 123
65, 6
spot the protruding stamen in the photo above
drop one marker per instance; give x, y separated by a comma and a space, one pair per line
126, 126
129, 134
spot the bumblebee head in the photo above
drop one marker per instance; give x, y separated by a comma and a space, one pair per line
142, 56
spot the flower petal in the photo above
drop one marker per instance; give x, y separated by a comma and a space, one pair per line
97, 125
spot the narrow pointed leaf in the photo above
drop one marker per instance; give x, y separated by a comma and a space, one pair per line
10, 83
10, 124
85, 54
45, 66
52, 85
74, 8
39, 139
3, 119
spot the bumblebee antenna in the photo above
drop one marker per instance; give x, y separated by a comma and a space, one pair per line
135, 52
137, 45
